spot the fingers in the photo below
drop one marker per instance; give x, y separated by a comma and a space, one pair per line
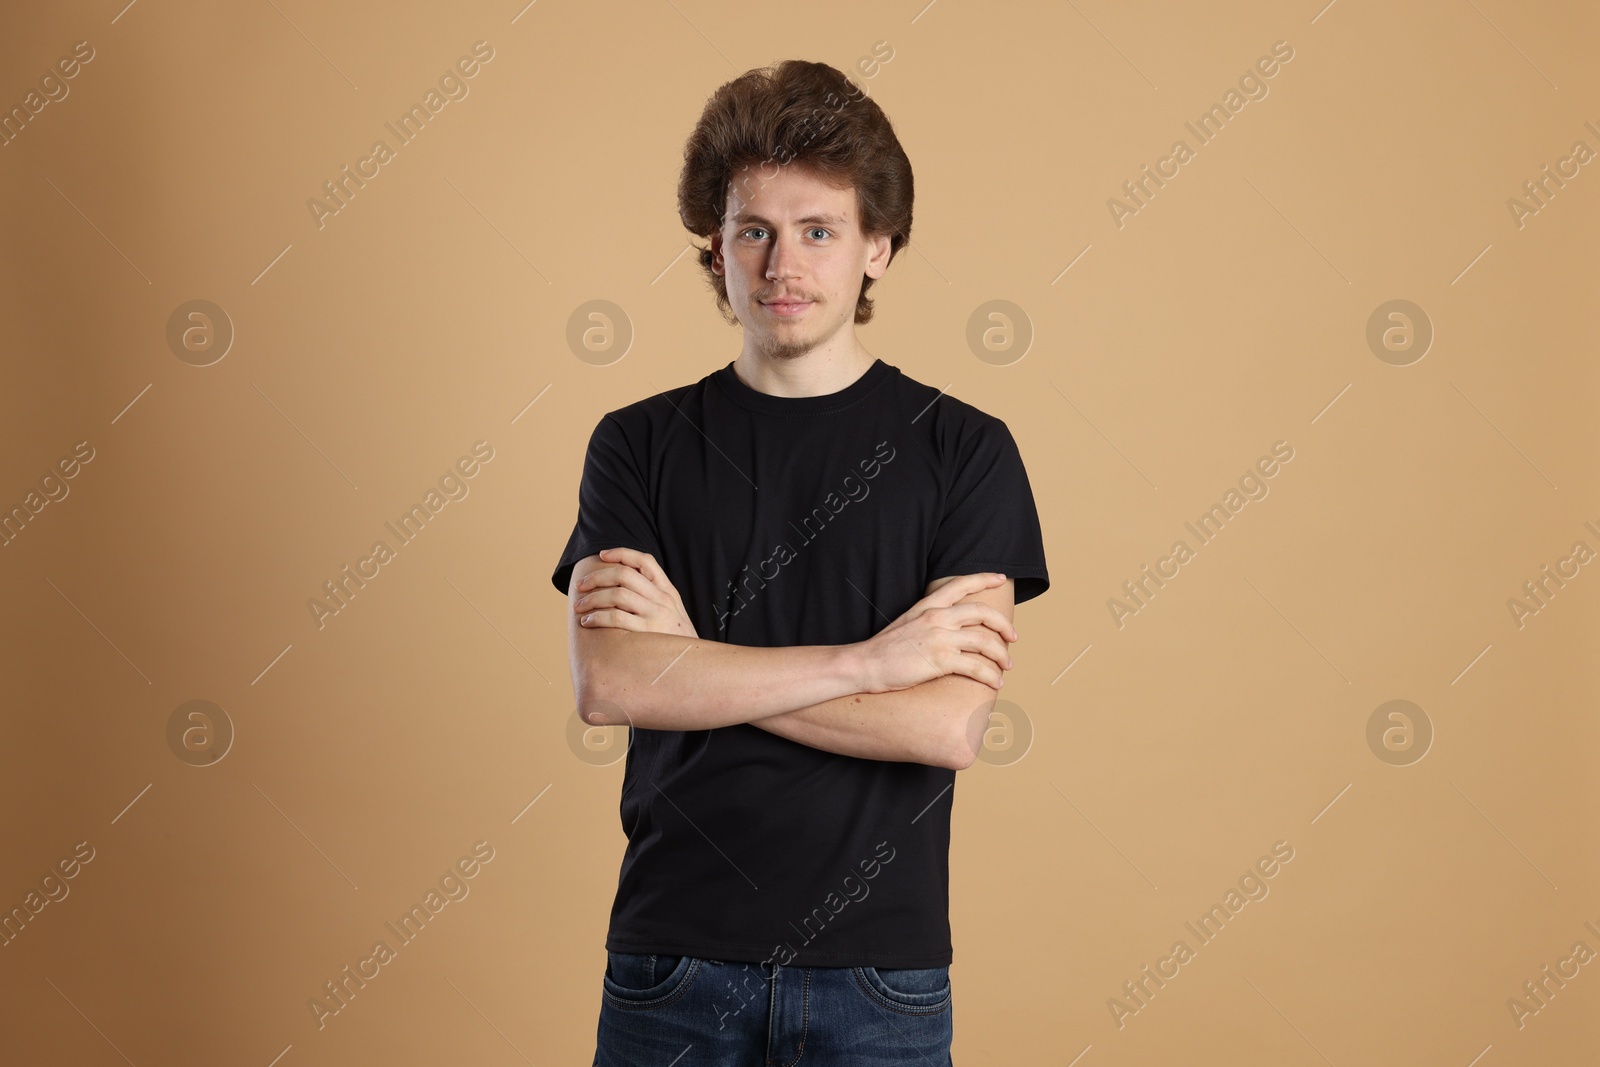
980, 669
975, 651
644, 562
994, 619
615, 597
612, 618
982, 641
629, 559
632, 583
610, 574
617, 575
946, 595
977, 613
953, 590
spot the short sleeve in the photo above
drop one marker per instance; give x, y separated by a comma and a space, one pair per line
613, 503
990, 521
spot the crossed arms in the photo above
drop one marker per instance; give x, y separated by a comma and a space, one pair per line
919, 691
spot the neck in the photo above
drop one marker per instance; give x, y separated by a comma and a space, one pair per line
816, 372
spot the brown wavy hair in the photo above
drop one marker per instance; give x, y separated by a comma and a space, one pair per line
804, 113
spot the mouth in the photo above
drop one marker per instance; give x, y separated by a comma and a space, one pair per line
787, 308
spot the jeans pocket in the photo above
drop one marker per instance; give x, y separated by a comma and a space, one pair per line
913, 989
647, 980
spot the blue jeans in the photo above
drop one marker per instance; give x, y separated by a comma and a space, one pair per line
683, 1011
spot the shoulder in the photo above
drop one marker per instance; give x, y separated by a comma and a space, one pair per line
644, 421
657, 405
956, 427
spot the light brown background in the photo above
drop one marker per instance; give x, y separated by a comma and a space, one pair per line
1227, 315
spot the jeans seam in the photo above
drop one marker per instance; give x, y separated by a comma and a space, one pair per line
660, 1002
805, 1015
904, 1009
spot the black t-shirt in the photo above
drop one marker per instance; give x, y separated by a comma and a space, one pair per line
783, 521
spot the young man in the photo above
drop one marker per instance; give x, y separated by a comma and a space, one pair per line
794, 581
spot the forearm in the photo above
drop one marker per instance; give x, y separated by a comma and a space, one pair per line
939, 723
667, 682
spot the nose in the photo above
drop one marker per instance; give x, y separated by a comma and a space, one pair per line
783, 261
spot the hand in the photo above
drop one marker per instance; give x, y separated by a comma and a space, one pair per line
632, 593
936, 636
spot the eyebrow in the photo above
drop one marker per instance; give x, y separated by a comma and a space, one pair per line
836, 220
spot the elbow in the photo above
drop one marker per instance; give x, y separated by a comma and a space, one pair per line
599, 701
595, 705
593, 697
969, 725
962, 757
595, 710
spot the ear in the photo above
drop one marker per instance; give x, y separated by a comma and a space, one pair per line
877, 256
717, 266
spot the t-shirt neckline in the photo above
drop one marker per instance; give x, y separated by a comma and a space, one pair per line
755, 400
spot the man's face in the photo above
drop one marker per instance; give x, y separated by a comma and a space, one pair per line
793, 255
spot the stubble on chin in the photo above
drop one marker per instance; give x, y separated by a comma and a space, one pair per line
784, 350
